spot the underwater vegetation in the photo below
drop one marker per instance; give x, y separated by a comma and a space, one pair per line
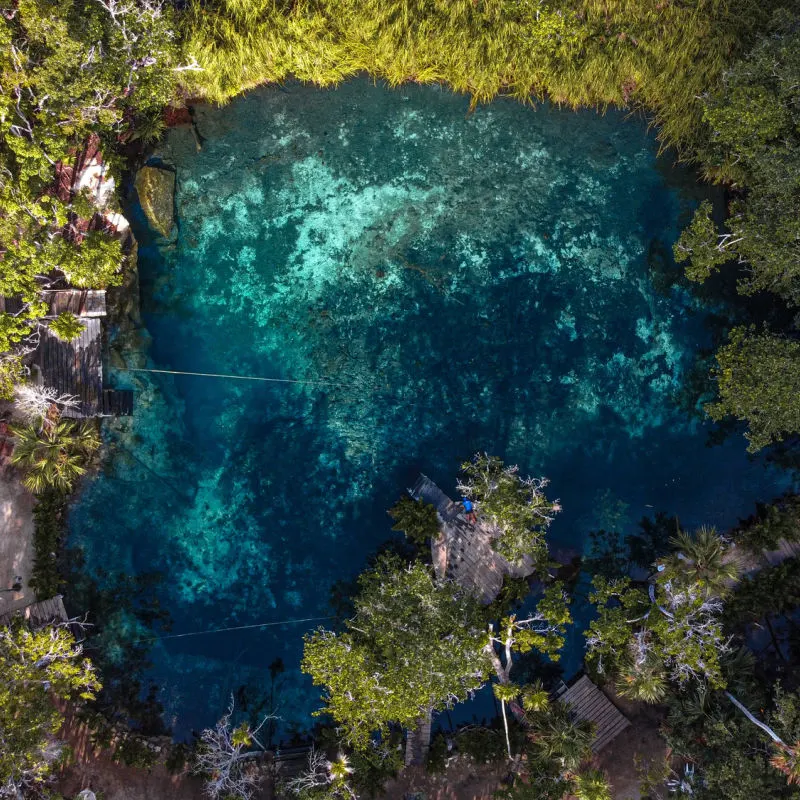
429, 283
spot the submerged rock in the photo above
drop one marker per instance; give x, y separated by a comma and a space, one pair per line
156, 190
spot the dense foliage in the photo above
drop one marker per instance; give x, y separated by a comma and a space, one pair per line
771, 523
758, 377
670, 630
48, 516
68, 70
38, 667
413, 645
515, 507
754, 141
416, 519
662, 56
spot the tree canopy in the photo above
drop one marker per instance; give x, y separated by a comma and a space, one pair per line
670, 630
517, 507
754, 142
758, 379
70, 69
412, 645
38, 667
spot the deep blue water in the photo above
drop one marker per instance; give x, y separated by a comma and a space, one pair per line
459, 282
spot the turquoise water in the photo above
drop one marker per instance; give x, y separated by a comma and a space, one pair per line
446, 282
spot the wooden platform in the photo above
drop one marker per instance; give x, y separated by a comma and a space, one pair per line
588, 702
463, 552
74, 367
116, 403
80, 302
37, 615
418, 742
785, 551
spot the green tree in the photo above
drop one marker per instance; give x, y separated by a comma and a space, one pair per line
758, 379
416, 519
591, 785
786, 757
67, 326
516, 507
413, 645
71, 70
701, 247
38, 667
54, 456
754, 141
669, 631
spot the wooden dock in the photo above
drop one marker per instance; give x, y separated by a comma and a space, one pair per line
80, 302
38, 615
418, 742
463, 551
587, 702
76, 367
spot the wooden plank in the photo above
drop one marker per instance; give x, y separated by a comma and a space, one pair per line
39, 614
418, 741
587, 702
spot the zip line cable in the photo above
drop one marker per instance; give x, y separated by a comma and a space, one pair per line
235, 628
235, 377
292, 381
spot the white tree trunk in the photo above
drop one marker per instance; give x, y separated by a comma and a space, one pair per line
764, 727
505, 725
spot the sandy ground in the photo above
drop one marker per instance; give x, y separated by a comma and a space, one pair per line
16, 540
463, 780
638, 746
93, 768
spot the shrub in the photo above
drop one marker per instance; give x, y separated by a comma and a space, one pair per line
48, 517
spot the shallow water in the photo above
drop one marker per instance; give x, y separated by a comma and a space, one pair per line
446, 282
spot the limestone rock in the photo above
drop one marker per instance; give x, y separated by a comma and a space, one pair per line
156, 190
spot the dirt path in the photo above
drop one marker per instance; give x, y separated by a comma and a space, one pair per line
93, 768
16, 541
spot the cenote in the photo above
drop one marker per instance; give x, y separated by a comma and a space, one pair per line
438, 281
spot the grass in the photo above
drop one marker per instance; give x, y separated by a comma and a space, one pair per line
656, 55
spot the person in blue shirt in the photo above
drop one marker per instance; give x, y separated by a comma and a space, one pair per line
469, 510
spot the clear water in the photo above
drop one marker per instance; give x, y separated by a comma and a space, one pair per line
462, 281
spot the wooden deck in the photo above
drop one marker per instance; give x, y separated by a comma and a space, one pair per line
588, 702
75, 367
37, 615
418, 742
80, 302
463, 552
785, 551
116, 403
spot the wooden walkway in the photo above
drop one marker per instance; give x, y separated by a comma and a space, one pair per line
76, 367
80, 302
587, 702
418, 742
37, 615
463, 552
785, 551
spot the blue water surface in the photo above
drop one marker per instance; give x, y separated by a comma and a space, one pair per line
441, 281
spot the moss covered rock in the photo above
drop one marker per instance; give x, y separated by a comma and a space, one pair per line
156, 190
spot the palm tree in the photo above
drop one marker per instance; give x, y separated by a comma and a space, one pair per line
705, 558
591, 785
55, 455
646, 682
564, 740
